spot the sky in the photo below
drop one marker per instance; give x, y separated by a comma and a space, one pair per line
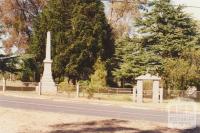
195, 12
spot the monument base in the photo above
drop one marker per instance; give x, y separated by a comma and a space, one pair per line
48, 88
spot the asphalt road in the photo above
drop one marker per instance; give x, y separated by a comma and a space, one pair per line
81, 108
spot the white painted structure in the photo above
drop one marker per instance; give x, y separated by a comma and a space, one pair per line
47, 84
157, 91
4, 84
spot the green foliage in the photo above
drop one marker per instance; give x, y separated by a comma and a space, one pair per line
133, 60
84, 82
90, 91
66, 87
29, 69
98, 79
167, 44
8, 63
179, 74
80, 34
167, 30
1, 31
192, 55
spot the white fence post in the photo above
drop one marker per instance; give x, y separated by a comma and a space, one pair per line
4, 84
134, 94
38, 88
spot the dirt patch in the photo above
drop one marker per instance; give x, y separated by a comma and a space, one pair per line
26, 121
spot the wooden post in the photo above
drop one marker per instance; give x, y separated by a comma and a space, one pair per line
77, 90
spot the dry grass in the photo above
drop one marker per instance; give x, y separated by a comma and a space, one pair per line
23, 121
26, 121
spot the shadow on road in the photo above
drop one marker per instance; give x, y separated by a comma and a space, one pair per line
111, 126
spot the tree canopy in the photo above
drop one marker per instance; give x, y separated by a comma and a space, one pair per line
167, 29
98, 79
8, 63
165, 34
133, 60
16, 16
80, 34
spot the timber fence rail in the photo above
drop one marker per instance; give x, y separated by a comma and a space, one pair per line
71, 90
18, 85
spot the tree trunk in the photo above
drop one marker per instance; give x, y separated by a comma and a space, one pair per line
122, 82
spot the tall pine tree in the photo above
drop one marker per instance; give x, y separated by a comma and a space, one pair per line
133, 60
80, 34
167, 30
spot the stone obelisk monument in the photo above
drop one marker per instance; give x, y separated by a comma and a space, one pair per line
48, 86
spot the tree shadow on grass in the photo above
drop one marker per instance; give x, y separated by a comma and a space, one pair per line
110, 126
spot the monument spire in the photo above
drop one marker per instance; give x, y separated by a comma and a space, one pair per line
48, 46
47, 84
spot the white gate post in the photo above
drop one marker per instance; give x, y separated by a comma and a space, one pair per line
156, 91
39, 88
139, 91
